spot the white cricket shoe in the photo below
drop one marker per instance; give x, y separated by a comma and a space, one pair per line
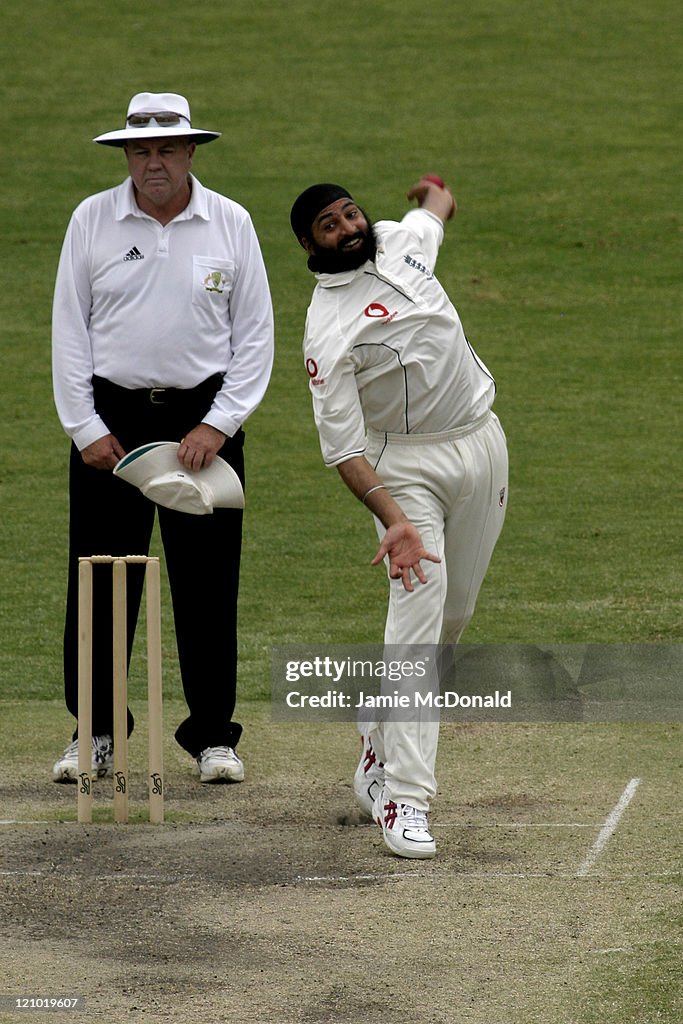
404, 828
66, 768
220, 764
369, 777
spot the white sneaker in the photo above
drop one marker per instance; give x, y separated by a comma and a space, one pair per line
66, 768
404, 828
220, 764
369, 777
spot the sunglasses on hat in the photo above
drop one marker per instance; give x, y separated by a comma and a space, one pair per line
162, 119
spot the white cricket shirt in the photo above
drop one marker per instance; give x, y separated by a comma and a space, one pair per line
384, 347
146, 305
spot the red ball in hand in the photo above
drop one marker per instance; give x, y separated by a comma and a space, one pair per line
435, 179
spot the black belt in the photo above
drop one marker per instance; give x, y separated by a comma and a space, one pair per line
161, 395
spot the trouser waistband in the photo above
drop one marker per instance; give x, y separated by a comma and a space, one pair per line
439, 438
159, 395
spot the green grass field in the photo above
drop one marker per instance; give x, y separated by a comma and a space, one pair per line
556, 126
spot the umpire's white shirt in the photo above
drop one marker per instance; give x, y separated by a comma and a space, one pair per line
384, 347
146, 305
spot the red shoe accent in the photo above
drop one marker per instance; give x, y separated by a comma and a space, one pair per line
390, 810
370, 758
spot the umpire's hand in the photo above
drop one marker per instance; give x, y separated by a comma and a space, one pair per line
200, 446
103, 453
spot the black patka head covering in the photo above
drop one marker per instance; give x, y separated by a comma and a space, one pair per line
309, 204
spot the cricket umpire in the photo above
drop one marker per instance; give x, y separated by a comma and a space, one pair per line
162, 331
402, 404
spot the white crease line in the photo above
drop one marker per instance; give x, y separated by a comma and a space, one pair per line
28, 821
363, 824
66, 876
514, 824
550, 876
356, 878
22, 874
608, 828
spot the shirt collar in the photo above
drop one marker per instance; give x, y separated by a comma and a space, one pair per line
127, 207
334, 280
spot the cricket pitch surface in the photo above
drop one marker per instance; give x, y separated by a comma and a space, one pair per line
275, 901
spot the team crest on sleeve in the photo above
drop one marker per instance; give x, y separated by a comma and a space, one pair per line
312, 371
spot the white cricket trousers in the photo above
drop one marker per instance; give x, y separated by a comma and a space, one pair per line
453, 487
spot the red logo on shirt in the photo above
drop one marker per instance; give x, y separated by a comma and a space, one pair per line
312, 371
375, 309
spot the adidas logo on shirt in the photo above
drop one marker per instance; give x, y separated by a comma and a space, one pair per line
133, 254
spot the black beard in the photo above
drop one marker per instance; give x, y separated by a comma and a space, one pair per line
336, 261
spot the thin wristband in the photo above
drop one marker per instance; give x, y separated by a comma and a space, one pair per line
377, 487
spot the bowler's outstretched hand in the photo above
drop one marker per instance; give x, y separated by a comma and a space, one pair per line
403, 545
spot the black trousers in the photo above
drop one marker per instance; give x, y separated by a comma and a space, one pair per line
202, 552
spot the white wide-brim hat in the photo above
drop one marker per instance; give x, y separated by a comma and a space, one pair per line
150, 103
155, 469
